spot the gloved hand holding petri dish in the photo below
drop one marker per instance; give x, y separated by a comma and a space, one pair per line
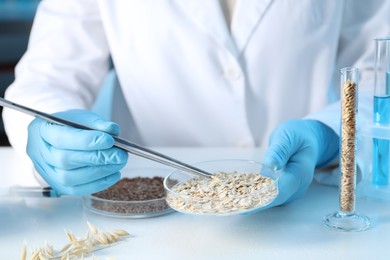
242, 187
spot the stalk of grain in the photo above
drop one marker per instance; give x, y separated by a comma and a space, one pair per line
77, 248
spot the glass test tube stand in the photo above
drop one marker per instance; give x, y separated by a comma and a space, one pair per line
346, 219
375, 134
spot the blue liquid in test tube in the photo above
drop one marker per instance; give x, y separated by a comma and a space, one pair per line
381, 146
381, 109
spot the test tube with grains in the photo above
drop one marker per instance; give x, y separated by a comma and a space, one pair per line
346, 218
348, 146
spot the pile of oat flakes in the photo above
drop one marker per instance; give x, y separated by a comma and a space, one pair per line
223, 193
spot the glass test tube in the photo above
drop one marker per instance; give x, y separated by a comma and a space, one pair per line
346, 218
380, 153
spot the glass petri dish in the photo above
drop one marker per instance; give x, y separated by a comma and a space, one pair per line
213, 202
119, 208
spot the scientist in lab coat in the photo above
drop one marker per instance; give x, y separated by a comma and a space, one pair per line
240, 73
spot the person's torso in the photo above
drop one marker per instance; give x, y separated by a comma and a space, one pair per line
188, 80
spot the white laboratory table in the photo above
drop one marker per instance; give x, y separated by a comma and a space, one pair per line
293, 231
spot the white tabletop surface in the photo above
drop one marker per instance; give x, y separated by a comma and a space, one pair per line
293, 231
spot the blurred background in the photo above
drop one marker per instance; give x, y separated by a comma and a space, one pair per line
16, 18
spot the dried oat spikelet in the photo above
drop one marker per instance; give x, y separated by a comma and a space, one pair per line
65, 247
23, 254
71, 237
65, 257
92, 228
102, 239
79, 250
121, 232
48, 250
34, 254
114, 235
42, 256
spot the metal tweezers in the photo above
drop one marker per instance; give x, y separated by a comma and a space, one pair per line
119, 142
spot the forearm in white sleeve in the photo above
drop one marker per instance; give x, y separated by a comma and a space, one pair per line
63, 68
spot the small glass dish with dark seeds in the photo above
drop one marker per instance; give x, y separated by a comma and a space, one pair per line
138, 194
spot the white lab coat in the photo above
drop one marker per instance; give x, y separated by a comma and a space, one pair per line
188, 81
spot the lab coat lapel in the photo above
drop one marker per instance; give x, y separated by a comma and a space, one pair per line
247, 15
208, 15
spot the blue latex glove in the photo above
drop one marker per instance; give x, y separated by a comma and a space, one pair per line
74, 161
296, 148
